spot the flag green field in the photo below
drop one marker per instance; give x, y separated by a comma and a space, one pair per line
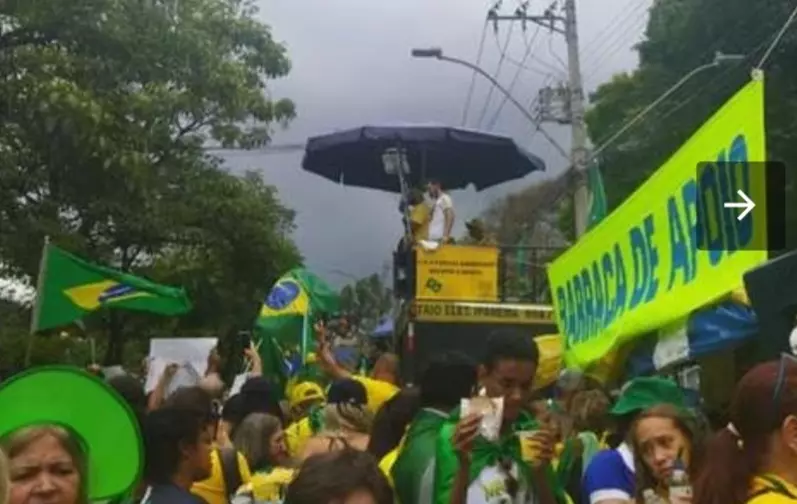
285, 323
69, 287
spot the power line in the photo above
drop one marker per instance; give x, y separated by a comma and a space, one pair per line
712, 83
532, 56
616, 31
529, 49
497, 69
631, 30
472, 85
561, 188
592, 43
778, 37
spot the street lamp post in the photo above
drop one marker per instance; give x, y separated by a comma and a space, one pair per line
437, 53
719, 59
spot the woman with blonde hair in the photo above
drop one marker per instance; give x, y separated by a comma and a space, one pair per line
260, 438
347, 420
46, 463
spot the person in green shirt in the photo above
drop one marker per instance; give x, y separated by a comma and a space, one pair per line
446, 379
472, 469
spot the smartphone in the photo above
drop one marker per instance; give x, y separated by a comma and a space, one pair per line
245, 339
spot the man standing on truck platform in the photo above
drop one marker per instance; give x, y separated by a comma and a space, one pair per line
442, 208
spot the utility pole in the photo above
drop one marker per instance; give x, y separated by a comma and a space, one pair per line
564, 103
579, 151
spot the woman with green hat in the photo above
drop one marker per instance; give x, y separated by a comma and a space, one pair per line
70, 438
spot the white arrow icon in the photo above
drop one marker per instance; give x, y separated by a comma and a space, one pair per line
748, 204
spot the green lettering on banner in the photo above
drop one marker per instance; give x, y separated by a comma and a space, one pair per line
641, 268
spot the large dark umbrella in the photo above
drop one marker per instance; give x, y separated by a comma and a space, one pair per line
457, 157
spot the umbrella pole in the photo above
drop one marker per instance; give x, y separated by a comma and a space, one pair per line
405, 193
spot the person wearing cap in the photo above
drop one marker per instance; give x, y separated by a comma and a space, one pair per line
305, 399
346, 420
477, 233
610, 477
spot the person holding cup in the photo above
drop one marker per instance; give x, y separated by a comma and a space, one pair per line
513, 467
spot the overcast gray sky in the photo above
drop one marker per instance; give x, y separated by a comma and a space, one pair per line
351, 66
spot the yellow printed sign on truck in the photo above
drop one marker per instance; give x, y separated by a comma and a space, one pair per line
640, 268
483, 313
457, 272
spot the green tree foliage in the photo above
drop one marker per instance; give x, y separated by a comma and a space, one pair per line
682, 35
106, 106
531, 235
367, 300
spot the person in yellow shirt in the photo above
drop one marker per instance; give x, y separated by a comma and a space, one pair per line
228, 468
390, 427
419, 216
380, 386
754, 459
260, 437
305, 400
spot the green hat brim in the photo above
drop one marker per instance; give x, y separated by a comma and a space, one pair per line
646, 392
102, 421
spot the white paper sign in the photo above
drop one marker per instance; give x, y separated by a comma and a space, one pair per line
165, 351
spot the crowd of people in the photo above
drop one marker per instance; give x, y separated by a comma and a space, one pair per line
365, 439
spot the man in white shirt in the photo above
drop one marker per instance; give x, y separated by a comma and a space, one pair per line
442, 209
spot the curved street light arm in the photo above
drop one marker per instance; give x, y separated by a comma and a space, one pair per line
651, 106
509, 97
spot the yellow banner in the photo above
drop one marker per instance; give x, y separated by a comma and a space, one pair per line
640, 268
483, 313
457, 272
551, 360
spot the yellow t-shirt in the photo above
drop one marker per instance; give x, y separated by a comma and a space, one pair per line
419, 216
378, 391
296, 436
212, 489
780, 491
386, 464
270, 487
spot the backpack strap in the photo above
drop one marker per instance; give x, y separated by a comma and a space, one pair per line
230, 471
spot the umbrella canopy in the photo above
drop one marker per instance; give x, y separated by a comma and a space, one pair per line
455, 156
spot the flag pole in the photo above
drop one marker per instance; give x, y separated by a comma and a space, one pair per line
36, 310
305, 328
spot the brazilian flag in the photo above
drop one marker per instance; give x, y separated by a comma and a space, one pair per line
68, 288
291, 308
293, 305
